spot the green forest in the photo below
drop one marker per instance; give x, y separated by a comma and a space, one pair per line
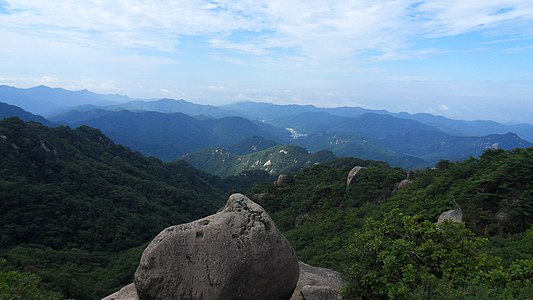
385, 240
77, 211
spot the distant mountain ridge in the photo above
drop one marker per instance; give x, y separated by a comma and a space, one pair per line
48, 101
7, 110
166, 136
271, 112
401, 142
169, 106
168, 128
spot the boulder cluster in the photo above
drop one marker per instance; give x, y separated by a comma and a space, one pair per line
237, 253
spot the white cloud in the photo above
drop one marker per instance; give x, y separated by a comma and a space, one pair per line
315, 29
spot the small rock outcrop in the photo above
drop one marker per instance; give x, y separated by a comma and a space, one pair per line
403, 183
317, 284
455, 215
352, 174
237, 253
282, 180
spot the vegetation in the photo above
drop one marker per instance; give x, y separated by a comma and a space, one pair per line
402, 256
77, 209
387, 253
20, 285
274, 160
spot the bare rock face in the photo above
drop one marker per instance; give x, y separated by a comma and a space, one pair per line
237, 253
126, 293
317, 284
352, 174
454, 215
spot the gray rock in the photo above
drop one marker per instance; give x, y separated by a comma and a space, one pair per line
352, 174
403, 183
282, 180
237, 253
126, 293
317, 284
454, 215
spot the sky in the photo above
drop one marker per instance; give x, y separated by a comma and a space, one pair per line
464, 59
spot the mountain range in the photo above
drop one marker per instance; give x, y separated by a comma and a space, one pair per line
169, 129
163, 135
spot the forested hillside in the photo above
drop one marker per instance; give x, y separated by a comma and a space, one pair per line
274, 160
168, 136
382, 235
77, 209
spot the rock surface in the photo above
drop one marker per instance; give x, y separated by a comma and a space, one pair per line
317, 284
352, 174
403, 183
282, 180
237, 253
126, 293
455, 215
313, 284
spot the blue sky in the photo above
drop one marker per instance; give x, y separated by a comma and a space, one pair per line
466, 59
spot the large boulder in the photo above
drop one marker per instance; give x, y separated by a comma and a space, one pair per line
237, 253
317, 284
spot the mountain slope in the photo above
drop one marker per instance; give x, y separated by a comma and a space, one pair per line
358, 146
274, 160
73, 204
71, 176
7, 111
166, 136
433, 146
401, 142
251, 145
470, 128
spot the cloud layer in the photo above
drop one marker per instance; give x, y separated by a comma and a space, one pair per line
386, 28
